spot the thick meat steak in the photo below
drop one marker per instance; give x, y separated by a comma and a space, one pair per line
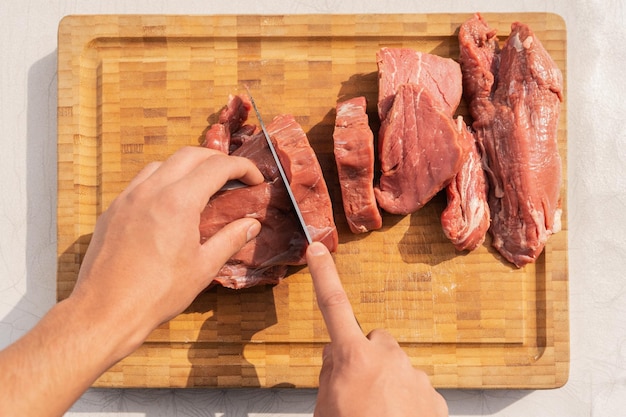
353, 143
421, 148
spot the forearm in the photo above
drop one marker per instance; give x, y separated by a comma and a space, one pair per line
48, 369
145, 264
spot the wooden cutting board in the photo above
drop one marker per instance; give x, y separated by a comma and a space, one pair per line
134, 89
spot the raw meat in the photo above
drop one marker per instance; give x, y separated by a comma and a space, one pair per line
441, 77
281, 242
515, 111
353, 142
480, 60
306, 178
238, 276
230, 123
421, 148
465, 219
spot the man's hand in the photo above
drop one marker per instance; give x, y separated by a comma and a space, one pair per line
363, 376
145, 259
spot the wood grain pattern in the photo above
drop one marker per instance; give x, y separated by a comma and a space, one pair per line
133, 89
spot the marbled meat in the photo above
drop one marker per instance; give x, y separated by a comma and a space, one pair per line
465, 220
440, 77
514, 96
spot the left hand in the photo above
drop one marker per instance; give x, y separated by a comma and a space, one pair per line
145, 263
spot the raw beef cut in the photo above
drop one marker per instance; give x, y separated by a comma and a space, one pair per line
441, 77
230, 123
238, 276
305, 178
353, 144
281, 242
465, 219
480, 60
514, 96
421, 148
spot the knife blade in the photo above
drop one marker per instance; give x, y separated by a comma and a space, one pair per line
281, 170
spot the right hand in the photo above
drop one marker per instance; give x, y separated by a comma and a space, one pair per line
363, 376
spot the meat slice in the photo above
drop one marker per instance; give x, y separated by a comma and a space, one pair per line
421, 148
281, 242
516, 121
353, 144
438, 75
465, 220
306, 179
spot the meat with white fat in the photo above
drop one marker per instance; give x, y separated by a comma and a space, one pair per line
514, 96
465, 220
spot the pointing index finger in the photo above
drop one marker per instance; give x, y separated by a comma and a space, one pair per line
331, 297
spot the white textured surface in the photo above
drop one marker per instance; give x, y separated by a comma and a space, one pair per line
597, 202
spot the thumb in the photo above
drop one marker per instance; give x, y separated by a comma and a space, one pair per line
220, 247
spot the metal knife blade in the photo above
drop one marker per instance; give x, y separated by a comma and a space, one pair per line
281, 170
233, 185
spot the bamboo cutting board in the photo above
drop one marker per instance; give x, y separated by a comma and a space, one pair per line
133, 89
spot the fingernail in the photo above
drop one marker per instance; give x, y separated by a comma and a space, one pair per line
317, 249
253, 230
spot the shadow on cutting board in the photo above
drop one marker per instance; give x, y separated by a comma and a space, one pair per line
424, 240
217, 357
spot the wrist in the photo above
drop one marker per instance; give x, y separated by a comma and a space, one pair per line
113, 330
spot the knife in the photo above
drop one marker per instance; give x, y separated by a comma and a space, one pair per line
283, 176
294, 203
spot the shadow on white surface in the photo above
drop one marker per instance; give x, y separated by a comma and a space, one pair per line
195, 402
481, 402
40, 154
258, 402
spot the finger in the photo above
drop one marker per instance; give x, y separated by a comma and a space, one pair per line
172, 169
143, 175
327, 352
220, 247
383, 339
209, 176
438, 404
331, 297
181, 163
382, 336
441, 407
327, 366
